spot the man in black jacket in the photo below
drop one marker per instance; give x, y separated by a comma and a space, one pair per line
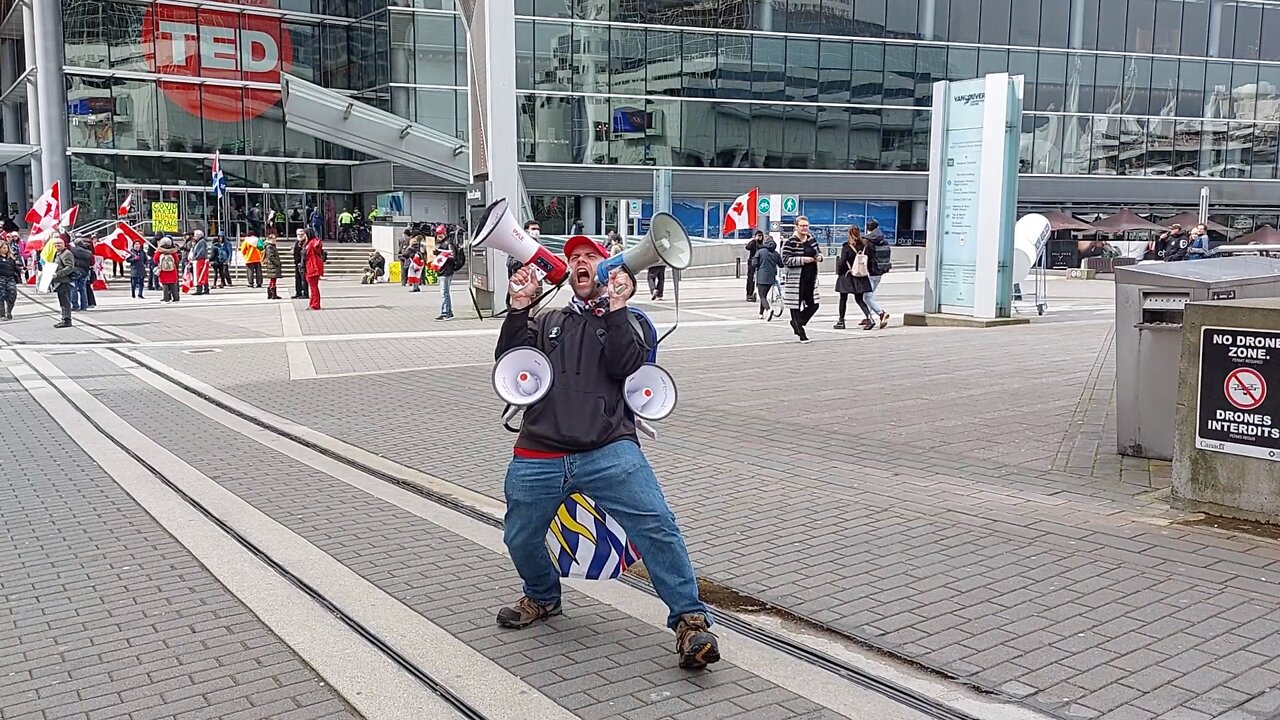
582, 438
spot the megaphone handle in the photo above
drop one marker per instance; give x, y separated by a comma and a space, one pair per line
675, 292
644, 427
508, 415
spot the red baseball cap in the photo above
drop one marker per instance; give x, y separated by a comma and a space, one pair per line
577, 241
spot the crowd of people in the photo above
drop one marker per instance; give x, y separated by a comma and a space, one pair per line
862, 262
172, 265
425, 258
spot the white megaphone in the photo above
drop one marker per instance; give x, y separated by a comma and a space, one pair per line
521, 377
667, 244
650, 392
1029, 237
500, 231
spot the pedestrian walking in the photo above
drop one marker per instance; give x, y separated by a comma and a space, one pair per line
801, 255
853, 276
300, 264
138, 269
757, 242
10, 278
63, 278
767, 264
271, 265
315, 255
167, 261
881, 264
83, 257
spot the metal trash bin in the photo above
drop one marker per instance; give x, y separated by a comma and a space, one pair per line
1149, 307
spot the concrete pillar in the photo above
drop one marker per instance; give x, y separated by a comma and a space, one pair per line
589, 213
33, 99
52, 110
14, 186
928, 18
402, 99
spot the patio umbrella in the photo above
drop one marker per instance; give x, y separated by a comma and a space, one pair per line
1124, 221
1059, 220
1265, 235
1190, 220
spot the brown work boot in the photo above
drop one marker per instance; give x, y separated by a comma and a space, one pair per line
695, 644
526, 612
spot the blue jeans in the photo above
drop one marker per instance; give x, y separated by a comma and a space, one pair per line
619, 478
80, 291
446, 300
870, 298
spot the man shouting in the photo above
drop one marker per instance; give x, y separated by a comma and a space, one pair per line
582, 438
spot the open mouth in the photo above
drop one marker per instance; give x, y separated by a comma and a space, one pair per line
581, 275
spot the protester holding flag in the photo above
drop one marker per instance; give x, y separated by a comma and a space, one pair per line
64, 272
138, 267
10, 278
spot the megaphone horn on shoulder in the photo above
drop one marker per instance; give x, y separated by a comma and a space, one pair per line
666, 244
500, 231
650, 392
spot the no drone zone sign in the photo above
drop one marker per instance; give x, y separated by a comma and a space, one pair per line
1239, 411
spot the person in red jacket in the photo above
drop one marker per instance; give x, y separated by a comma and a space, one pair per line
315, 267
167, 261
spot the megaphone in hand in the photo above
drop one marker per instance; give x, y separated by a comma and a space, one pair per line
666, 244
500, 231
522, 377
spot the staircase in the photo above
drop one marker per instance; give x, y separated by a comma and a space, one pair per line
347, 259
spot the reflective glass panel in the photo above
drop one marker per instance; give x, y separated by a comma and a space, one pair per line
864, 139
1243, 89
305, 40
434, 49
663, 60
1194, 27
868, 73
1080, 136
1133, 147
833, 138
86, 29
127, 49
768, 136
402, 49
931, 66
734, 76
1051, 80
224, 125
733, 135
1248, 31
899, 75
1111, 24
89, 112
1191, 99
265, 132
834, 76
870, 16
1270, 41
768, 68
962, 63
1108, 77
1142, 25
964, 15
897, 134
1186, 148
591, 58
994, 28
802, 70
698, 133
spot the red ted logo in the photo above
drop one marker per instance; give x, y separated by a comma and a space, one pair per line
215, 44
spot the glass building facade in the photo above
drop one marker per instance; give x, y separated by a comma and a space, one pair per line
1134, 102
155, 89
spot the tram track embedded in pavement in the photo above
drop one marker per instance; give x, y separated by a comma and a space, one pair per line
454, 701
898, 693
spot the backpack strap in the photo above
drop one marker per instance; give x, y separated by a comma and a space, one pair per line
648, 332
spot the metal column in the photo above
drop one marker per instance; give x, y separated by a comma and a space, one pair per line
33, 98
53, 97
14, 177
492, 94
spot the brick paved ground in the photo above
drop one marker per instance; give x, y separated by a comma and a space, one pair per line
104, 615
946, 494
594, 660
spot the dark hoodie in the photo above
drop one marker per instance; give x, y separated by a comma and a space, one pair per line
768, 262
882, 254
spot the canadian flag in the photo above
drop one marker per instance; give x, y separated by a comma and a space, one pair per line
116, 245
46, 213
742, 213
442, 257
123, 211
